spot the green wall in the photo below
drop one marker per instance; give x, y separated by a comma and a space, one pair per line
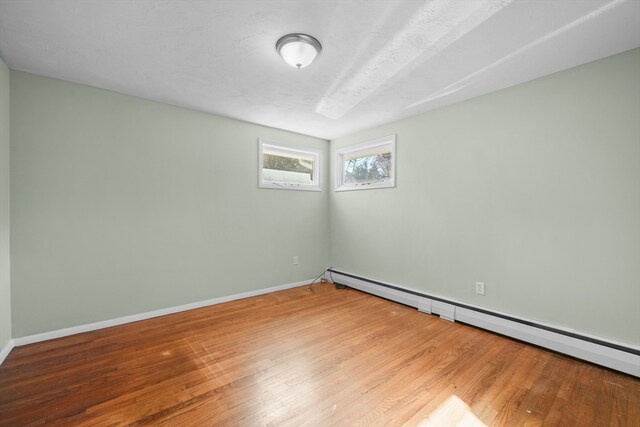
121, 205
534, 190
5, 291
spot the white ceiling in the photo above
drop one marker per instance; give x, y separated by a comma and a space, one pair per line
382, 60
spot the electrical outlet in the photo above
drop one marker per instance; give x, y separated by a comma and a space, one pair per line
480, 288
295, 260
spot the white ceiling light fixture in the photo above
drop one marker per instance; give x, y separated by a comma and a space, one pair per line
298, 50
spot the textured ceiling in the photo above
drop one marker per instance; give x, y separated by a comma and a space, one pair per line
382, 60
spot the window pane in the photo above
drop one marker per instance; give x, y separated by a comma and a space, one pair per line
366, 166
368, 169
288, 168
292, 169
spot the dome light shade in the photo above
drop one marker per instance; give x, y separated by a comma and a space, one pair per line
298, 50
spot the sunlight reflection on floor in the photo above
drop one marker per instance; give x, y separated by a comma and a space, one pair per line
452, 412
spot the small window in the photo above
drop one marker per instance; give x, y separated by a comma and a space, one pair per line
366, 166
288, 168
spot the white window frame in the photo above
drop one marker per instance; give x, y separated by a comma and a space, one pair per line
364, 148
288, 150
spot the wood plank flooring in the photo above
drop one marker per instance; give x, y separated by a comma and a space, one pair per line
325, 357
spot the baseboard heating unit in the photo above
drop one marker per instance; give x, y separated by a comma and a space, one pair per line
593, 349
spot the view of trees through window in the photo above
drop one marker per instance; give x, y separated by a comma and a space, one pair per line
280, 168
372, 168
289, 164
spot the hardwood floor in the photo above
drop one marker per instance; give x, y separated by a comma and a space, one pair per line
296, 357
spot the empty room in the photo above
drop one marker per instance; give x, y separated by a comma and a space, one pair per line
320, 212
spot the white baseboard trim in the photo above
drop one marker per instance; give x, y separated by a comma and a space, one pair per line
584, 349
6, 350
30, 339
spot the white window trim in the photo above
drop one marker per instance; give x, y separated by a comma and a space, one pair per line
286, 149
364, 147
